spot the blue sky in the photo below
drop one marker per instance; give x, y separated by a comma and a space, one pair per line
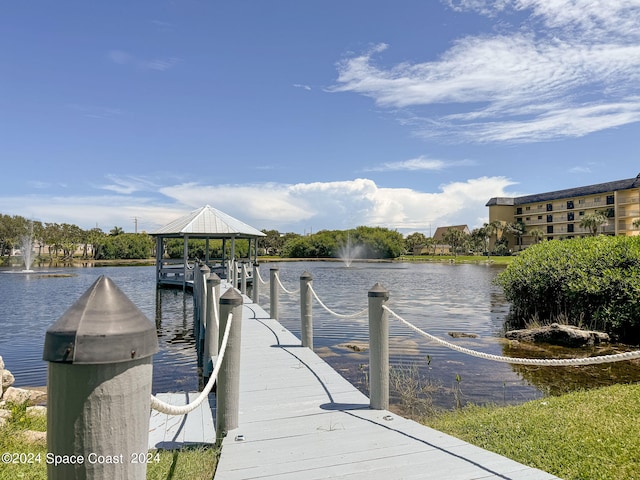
308, 115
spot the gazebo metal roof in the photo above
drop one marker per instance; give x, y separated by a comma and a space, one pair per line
208, 222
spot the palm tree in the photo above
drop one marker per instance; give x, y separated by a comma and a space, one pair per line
517, 229
593, 221
636, 223
537, 234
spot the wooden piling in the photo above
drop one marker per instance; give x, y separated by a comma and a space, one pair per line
100, 355
228, 392
378, 348
274, 292
306, 316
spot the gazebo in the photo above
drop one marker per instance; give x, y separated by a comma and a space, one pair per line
206, 223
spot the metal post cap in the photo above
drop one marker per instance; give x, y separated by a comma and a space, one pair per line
379, 291
231, 297
306, 276
103, 326
214, 279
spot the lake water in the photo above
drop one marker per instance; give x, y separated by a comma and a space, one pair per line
438, 298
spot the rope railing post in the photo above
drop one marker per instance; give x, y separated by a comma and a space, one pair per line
274, 292
201, 300
306, 316
228, 392
378, 348
243, 278
100, 355
255, 290
212, 316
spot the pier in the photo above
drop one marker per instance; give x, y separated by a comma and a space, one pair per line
298, 418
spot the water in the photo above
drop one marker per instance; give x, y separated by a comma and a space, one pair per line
439, 298
31, 302
26, 248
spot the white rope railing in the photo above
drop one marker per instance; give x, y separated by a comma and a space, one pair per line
556, 362
353, 315
164, 407
257, 270
283, 288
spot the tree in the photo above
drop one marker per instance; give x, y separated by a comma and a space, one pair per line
593, 221
115, 231
517, 229
456, 239
537, 235
414, 240
636, 223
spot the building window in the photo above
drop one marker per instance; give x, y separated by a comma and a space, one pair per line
581, 214
519, 211
549, 218
570, 228
549, 207
611, 212
581, 201
596, 200
528, 219
610, 200
569, 204
549, 228
570, 216
539, 217
527, 208
549, 238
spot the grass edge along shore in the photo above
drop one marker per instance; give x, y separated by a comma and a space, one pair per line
590, 434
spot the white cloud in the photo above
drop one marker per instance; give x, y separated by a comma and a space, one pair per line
127, 185
572, 70
420, 163
284, 207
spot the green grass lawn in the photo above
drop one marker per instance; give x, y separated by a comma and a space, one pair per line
456, 259
584, 435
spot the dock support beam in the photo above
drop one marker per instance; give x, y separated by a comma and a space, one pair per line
306, 315
228, 393
274, 292
378, 348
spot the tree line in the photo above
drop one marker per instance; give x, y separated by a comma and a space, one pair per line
64, 241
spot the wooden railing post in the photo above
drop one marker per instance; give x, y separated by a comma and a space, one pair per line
100, 355
255, 285
243, 280
211, 333
274, 293
200, 280
378, 348
228, 392
306, 316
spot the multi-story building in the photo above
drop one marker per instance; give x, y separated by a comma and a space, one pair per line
557, 215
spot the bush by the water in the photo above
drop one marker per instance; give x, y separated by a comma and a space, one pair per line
593, 282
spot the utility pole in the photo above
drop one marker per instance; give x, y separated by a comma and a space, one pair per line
135, 223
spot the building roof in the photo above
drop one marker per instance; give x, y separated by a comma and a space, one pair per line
440, 231
208, 222
569, 192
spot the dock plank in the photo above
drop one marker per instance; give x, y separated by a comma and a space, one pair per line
170, 432
299, 418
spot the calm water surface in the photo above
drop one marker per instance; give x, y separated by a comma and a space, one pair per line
439, 298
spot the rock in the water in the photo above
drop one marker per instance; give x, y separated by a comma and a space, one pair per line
7, 379
555, 334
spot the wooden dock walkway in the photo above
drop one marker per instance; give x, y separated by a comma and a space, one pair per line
300, 419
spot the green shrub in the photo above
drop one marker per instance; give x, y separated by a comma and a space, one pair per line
594, 281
